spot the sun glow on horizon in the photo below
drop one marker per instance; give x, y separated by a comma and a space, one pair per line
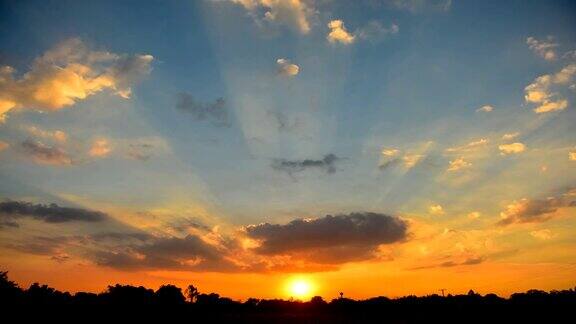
300, 288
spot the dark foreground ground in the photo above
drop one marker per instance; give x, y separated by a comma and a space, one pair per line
169, 304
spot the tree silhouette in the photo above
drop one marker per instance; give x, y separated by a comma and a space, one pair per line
143, 305
191, 293
169, 295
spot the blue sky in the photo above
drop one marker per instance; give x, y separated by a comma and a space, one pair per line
418, 109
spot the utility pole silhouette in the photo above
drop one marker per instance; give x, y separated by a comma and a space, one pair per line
442, 290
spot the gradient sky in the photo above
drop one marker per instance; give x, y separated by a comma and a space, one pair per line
376, 147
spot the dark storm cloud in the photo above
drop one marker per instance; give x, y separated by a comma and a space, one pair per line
346, 237
51, 213
45, 154
214, 112
327, 164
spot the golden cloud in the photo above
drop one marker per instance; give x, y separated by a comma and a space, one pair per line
513, 148
338, 33
68, 73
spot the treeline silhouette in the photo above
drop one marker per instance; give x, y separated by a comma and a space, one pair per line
169, 303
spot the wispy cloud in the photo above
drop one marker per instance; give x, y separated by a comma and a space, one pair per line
214, 112
535, 210
485, 108
51, 213
544, 48
545, 91
418, 6
327, 164
46, 154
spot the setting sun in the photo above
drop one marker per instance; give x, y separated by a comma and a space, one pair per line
300, 288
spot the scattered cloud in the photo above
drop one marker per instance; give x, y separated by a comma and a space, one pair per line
510, 136
294, 14
474, 215
287, 68
339, 238
339, 34
468, 147
513, 148
543, 48
391, 157
543, 234
486, 108
535, 210
436, 210
214, 112
68, 73
100, 148
458, 164
46, 154
56, 135
51, 213
545, 90
327, 164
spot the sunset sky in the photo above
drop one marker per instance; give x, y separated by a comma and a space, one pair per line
273, 148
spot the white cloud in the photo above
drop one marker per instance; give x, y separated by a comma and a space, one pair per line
287, 68
68, 73
486, 108
458, 164
339, 34
513, 148
294, 14
544, 48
